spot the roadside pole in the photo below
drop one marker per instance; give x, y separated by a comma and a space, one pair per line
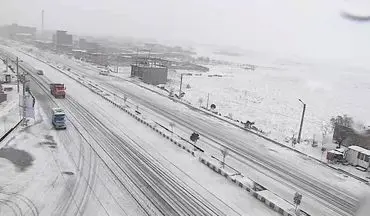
302, 118
180, 84
24, 82
207, 100
24, 100
6, 64
17, 75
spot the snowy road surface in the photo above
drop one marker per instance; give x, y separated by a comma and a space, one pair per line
146, 169
327, 191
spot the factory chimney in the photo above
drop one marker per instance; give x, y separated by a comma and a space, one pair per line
42, 22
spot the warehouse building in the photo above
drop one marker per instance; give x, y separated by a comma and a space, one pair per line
63, 41
150, 71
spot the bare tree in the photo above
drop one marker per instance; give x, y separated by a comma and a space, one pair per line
200, 101
125, 99
344, 120
171, 92
325, 129
225, 153
230, 115
172, 125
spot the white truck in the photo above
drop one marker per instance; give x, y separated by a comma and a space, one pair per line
58, 118
104, 72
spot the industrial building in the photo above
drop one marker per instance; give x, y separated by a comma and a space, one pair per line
63, 41
92, 57
18, 32
83, 44
150, 72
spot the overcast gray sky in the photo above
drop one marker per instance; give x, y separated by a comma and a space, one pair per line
307, 27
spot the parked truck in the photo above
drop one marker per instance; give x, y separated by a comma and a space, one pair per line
58, 90
104, 72
58, 118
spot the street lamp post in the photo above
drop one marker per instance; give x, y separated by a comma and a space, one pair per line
302, 118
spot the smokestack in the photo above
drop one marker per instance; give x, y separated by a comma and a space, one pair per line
42, 22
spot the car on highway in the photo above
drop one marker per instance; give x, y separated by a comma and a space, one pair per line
40, 72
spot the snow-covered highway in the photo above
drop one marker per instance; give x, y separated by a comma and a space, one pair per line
327, 192
125, 169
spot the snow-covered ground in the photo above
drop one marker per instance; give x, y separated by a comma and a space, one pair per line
9, 109
309, 166
31, 170
9, 112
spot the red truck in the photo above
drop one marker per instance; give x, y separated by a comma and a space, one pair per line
58, 90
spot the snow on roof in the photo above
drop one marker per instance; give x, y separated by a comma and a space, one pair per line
360, 149
334, 151
58, 110
341, 150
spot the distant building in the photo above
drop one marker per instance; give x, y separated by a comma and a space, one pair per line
83, 44
18, 32
92, 57
63, 41
150, 74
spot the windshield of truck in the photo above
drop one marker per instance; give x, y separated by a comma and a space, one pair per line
59, 117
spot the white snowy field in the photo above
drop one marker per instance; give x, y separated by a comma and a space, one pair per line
269, 97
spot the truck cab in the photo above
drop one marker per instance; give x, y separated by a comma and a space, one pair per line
104, 72
40, 72
58, 118
58, 90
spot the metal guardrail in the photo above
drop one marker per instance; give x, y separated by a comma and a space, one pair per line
11, 130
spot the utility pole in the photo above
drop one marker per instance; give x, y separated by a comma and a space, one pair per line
24, 99
181, 75
180, 84
6, 64
302, 118
17, 75
207, 100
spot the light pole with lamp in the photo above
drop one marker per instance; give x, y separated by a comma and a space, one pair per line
302, 118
